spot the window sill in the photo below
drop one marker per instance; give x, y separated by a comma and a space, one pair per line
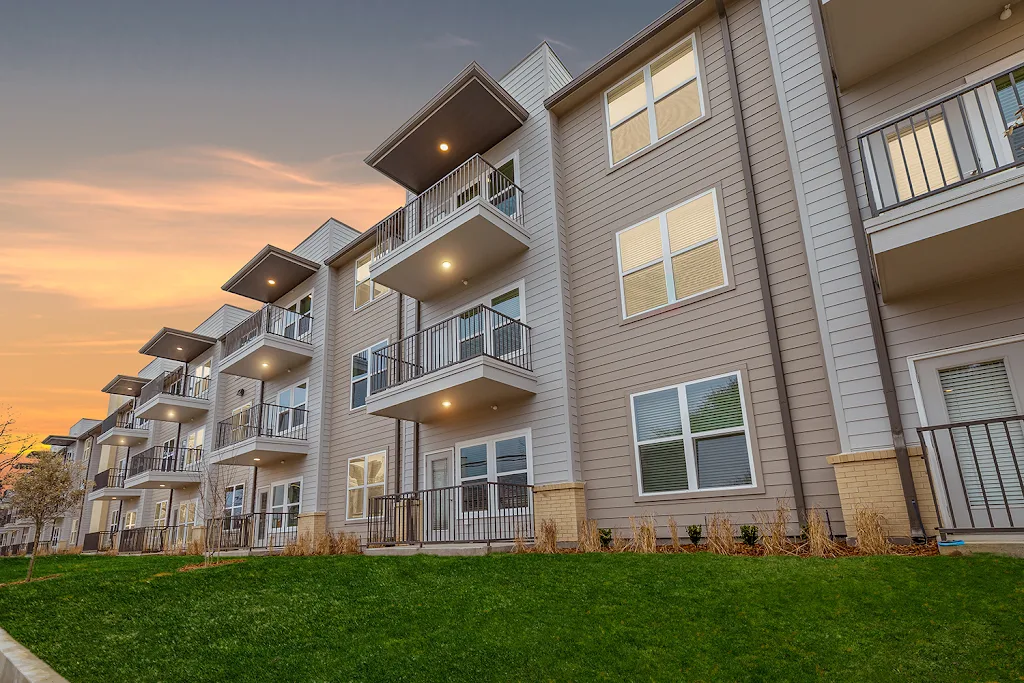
674, 306
653, 146
685, 496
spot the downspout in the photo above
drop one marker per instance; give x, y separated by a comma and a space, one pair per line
259, 432
762, 271
416, 425
398, 422
892, 407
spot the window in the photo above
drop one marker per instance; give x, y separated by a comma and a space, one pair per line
160, 515
297, 320
187, 513
233, 500
168, 452
199, 383
676, 255
292, 414
73, 537
129, 520
502, 338
692, 437
87, 454
284, 503
365, 482
504, 459
654, 102
364, 380
55, 533
194, 448
366, 289
502, 187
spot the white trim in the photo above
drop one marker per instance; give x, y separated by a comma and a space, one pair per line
369, 371
492, 469
425, 458
223, 506
270, 497
688, 438
163, 504
304, 406
364, 486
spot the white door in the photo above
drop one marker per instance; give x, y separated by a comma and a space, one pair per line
439, 498
262, 518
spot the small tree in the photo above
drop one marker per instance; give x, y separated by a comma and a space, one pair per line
14, 449
46, 492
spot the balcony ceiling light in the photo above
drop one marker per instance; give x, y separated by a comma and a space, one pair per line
271, 282
446, 264
161, 485
256, 459
266, 365
446, 404
179, 348
443, 147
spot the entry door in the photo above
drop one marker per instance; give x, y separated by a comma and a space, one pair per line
262, 507
440, 496
979, 465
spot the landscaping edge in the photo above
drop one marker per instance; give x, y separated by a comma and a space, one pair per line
19, 665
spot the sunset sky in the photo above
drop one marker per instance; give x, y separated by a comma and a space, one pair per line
148, 150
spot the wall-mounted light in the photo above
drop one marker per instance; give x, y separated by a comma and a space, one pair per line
1006, 13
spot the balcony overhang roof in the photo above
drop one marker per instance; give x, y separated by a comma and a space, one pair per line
284, 268
471, 114
177, 345
54, 440
125, 385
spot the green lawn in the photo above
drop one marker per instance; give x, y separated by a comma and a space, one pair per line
525, 617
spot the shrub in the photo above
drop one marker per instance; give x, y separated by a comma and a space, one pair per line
673, 532
720, 535
645, 538
589, 541
606, 537
871, 538
694, 532
773, 529
748, 532
547, 537
819, 542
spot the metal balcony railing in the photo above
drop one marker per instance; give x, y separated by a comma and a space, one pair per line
253, 530
479, 512
176, 383
273, 320
262, 419
99, 541
970, 134
165, 459
479, 331
123, 419
475, 178
112, 478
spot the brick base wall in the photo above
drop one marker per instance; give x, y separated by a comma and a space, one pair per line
871, 479
312, 524
565, 504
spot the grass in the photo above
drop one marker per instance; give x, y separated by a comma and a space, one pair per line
523, 617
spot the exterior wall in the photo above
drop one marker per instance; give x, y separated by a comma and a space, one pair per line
722, 332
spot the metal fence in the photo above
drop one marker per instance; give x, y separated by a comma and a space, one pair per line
979, 472
176, 383
262, 419
480, 512
99, 541
270, 319
256, 530
113, 478
123, 419
165, 459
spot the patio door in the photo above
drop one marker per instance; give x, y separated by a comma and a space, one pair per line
979, 466
284, 508
439, 496
297, 321
194, 448
168, 451
241, 419
262, 517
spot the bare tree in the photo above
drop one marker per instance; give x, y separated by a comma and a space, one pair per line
14, 449
46, 492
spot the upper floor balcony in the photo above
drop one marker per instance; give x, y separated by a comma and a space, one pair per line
175, 396
270, 342
161, 467
110, 485
261, 434
123, 428
469, 222
476, 359
945, 186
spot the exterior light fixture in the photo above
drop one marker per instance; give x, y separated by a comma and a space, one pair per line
446, 264
266, 365
179, 348
1006, 13
256, 459
446, 404
161, 486
494, 407
271, 282
443, 147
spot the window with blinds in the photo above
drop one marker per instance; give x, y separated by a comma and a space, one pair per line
922, 156
676, 255
982, 391
654, 102
693, 437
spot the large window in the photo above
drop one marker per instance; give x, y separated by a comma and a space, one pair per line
368, 374
504, 459
673, 256
366, 289
654, 102
234, 500
292, 398
284, 504
365, 482
160, 514
693, 437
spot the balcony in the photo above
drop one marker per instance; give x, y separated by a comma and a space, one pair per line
110, 485
162, 467
254, 531
262, 434
471, 220
946, 188
271, 341
174, 397
123, 428
478, 358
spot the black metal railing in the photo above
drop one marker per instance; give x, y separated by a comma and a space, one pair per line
474, 179
153, 539
165, 459
980, 465
123, 419
176, 383
17, 549
273, 320
479, 331
262, 419
99, 541
480, 512
7, 516
112, 478
254, 530
969, 134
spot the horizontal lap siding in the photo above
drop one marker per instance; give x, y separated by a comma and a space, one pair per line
724, 332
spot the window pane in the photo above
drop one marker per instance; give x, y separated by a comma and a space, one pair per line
359, 394
473, 461
355, 503
698, 270
723, 461
631, 136
511, 497
359, 364
362, 294
374, 491
926, 170
677, 110
299, 396
645, 289
379, 290
627, 98
356, 472
663, 467
511, 455
363, 268
640, 244
677, 67
692, 222
657, 415
714, 404
507, 303
375, 469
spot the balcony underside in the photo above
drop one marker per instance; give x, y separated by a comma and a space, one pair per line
959, 235
267, 357
260, 451
475, 239
170, 408
471, 385
113, 493
155, 479
122, 436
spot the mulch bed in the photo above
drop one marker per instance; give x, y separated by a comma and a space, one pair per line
33, 580
840, 549
221, 563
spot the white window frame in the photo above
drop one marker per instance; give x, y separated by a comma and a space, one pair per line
157, 516
369, 372
492, 466
688, 438
73, 536
486, 301
285, 322
652, 123
366, 471
667, 255
373, 285
292, 428
286, 482
233, 487
513, 157
129, 520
